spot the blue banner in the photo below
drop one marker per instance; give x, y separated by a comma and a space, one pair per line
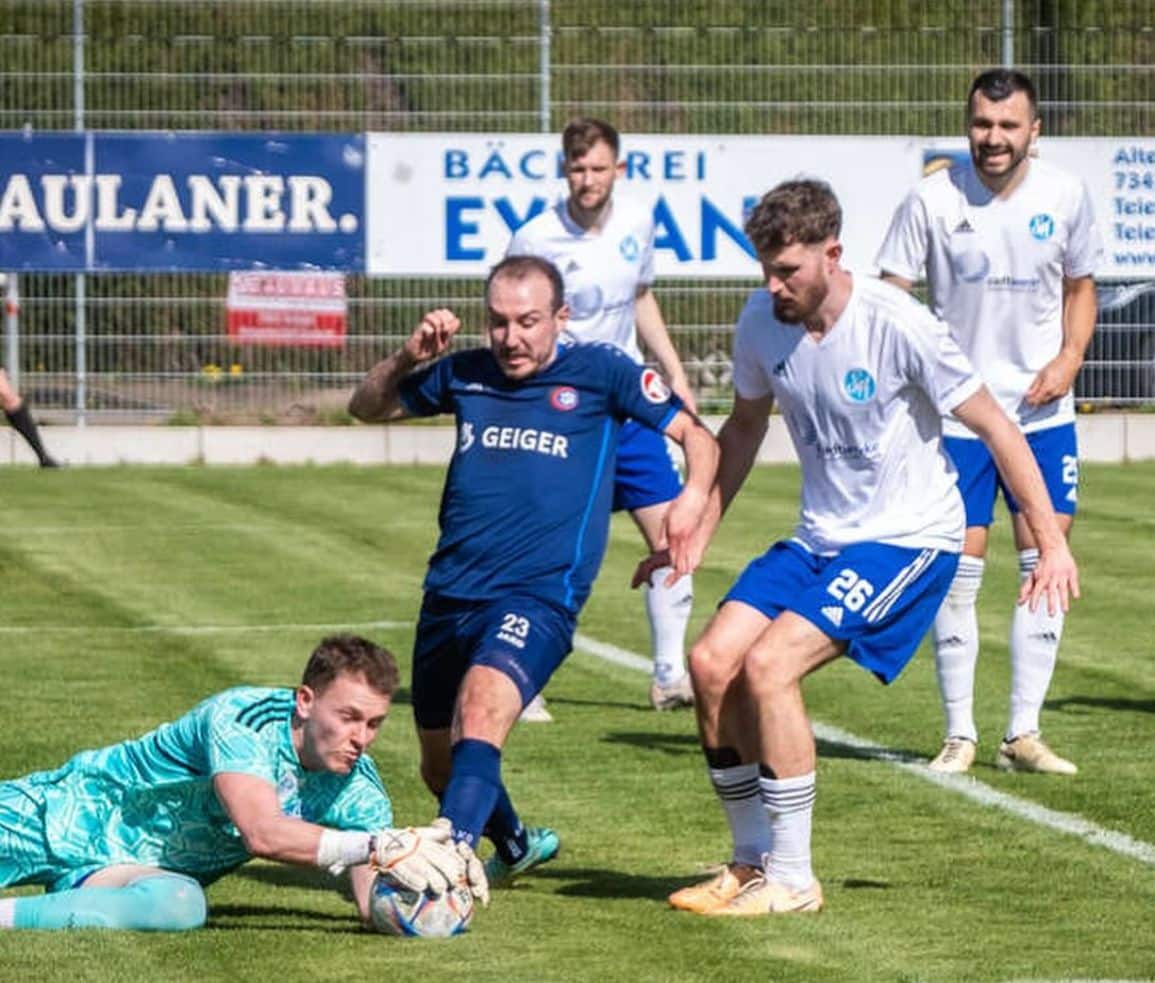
103, 202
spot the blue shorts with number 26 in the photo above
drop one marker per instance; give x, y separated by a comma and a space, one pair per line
877, 598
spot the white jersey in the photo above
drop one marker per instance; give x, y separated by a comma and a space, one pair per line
863, 407
995, 269
602, 270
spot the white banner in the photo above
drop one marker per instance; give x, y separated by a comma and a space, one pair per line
446, 204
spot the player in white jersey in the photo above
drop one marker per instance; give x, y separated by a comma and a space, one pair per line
124, 836
603, 244
1008, 245
862, 373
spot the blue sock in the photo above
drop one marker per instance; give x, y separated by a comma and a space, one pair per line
474, 788
152, 903
506, 830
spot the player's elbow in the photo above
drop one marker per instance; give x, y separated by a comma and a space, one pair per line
260, 841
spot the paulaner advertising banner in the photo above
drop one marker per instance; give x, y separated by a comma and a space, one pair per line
181, 201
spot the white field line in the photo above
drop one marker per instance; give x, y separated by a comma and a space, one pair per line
964, 785
193, 629
971, 788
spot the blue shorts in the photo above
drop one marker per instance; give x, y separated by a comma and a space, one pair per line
1055, 449
645, 473
521, 636
878, 599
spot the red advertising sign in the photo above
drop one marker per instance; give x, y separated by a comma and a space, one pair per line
287, 309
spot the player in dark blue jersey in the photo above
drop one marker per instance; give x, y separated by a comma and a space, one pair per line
524, 518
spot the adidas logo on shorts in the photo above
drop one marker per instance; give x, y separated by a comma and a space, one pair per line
833, 614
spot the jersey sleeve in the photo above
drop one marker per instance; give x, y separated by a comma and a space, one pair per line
363, 803
1084, 245
638, 392
750, 378
233, 746
426, 392
903, 251
933, 361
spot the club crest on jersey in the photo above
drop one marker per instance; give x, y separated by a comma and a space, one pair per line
971, 266
564, 398
629, 248
859, 385
654, 387
1042, 226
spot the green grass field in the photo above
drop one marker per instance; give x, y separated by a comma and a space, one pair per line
129, 594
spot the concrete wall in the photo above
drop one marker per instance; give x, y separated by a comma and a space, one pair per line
1106, 437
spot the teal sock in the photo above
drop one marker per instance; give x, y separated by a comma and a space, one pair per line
153, 903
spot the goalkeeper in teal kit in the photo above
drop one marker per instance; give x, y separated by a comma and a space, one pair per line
125, 836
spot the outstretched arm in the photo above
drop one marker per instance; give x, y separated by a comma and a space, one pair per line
1056, 578
378, 398
266, 831
422, 858
652, 330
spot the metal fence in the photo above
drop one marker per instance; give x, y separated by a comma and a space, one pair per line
115, 347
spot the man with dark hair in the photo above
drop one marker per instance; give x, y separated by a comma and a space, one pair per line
524, 520
125, 836
1008, 245
861, 372
603, 244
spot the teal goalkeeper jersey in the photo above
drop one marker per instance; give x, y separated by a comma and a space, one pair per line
150, 800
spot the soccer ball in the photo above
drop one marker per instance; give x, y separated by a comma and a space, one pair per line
397, 910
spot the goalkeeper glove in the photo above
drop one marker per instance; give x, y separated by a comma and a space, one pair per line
419, 858
473, 868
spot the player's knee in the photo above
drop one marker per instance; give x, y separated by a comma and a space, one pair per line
710, 670
767, 672
170, 903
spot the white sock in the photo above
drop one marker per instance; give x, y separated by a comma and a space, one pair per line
668, 609
7, 912
737, 790
1034, 647
956, 648
789, 802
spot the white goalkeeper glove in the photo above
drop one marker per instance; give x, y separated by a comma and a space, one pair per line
474, 868
420, 858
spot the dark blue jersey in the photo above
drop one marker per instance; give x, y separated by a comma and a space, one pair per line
526, 505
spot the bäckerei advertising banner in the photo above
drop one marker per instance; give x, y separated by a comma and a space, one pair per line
448, 203
181, 201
